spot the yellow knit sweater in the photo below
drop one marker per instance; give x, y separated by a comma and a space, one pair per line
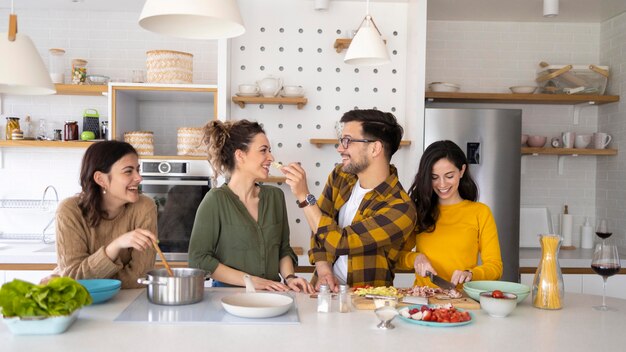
464, 232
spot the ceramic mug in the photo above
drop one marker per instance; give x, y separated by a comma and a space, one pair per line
248, 88
582, 141
601, 140
293, 90
568, 138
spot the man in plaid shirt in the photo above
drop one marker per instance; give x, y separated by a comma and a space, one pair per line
363, 216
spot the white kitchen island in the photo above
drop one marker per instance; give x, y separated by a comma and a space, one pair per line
576, 327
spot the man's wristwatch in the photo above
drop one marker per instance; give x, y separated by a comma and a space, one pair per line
290, 276
308, 200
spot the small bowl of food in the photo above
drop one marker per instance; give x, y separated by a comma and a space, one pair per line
498, 304
523, 89
536, 141
444, 87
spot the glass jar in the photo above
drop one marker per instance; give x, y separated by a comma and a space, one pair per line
548, 282
79, 71
41, 132
13, 123
323, 299
344, 299
57, 65
104, 130
70, 131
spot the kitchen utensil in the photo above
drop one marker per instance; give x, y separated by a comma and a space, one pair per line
444, 87
523, 89
536, 141
270, 86
91, 122
97, 80
582, 141
437, 280
293, 91
249, 285
385, 315
186, 286
257, 305
601, 140
248, 89
498, 307
101, 290
568, 139
167, 266
475, 288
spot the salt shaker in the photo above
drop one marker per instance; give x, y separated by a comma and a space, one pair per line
344, 299
323, 299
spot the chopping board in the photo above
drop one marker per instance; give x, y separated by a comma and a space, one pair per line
464, 302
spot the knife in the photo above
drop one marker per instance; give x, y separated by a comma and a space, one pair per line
437, 280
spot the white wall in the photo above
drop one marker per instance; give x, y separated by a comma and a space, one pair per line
492, 56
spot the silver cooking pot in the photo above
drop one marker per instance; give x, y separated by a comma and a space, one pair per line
185, 287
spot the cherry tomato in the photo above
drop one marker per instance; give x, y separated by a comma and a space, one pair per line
497, 294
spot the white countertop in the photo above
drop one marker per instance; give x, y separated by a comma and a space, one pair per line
526, 329
35, 252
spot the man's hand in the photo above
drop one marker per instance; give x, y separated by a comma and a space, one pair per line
296, 179
325, 276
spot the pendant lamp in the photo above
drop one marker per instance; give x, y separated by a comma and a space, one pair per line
550, 8
22, 70
367, 47
193, 19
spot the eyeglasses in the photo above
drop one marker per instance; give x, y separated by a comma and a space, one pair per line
345, 141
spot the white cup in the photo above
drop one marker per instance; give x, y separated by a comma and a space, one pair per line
248, 88
568, 139
582, 141
293, 90
601, 140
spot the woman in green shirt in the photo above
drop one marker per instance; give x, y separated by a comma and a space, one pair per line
241, 227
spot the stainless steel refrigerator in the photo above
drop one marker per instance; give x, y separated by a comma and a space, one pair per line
491, 140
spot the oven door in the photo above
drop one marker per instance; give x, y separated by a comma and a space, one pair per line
177, 202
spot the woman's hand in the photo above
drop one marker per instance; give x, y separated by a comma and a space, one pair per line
422, 265
138, 239
269, 285
461, 276
300, 284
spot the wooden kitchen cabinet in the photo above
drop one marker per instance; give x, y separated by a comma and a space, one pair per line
506, 98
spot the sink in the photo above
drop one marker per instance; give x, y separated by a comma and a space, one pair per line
51, 248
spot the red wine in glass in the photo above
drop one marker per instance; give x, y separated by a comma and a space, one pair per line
604, 235
606, 270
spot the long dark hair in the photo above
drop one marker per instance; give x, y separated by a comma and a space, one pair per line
421, 191
378, 125
224, 138
99, 156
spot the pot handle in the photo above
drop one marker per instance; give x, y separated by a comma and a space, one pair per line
150, 282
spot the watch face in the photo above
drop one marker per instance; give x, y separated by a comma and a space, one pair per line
310, 199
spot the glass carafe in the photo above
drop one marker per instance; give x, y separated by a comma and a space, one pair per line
548, 282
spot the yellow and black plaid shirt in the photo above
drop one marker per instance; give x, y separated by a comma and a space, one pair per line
383, 222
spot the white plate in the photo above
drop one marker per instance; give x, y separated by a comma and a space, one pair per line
247, 94
257, 305
292, 95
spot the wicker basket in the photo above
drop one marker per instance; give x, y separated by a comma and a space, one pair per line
142, 141
167, 66
190, 141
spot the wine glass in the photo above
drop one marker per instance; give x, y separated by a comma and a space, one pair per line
604, 229
606, 263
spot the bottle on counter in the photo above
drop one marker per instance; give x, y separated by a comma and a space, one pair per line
41, 131
70, 131
79, 71
13, 123
344, 299
57, 65
323, 299
28, 128
586, 235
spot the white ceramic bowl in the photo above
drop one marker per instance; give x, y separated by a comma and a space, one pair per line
536, 141
257, 305
475, 288
498, 307
444, 87
46, 326
523, 89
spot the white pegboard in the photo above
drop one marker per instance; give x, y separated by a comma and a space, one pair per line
299, 50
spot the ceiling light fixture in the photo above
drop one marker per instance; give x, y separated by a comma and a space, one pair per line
22, 70
367, 47
550, 8
193, 19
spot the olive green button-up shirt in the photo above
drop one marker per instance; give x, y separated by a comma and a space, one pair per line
225, 232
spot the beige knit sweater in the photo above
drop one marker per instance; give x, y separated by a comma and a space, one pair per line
80, 248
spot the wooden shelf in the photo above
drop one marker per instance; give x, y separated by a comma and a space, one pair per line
567, 151
242, 101
80, 89
45, 144
506, 98
321, 141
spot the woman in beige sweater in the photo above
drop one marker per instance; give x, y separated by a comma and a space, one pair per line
107, 230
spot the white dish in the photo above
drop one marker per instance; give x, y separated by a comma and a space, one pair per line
46, 326
523, 89
247, 94
257, 305
292, 95
444, 87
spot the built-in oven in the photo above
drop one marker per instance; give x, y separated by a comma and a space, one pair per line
177, 187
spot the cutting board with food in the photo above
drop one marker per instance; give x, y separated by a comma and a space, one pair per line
410, 296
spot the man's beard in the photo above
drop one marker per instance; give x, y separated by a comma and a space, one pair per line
355, 167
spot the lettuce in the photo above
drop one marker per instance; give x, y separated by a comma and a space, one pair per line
61, 296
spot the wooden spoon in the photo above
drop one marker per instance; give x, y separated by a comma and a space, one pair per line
167, 266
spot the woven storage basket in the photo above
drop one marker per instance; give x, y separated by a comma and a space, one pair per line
142, 141
168, 66
190, 141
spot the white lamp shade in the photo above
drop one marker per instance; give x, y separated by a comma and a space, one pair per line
193, 19
550, 8
367, 47
22, 70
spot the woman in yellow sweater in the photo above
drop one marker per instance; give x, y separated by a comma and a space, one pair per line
453, 229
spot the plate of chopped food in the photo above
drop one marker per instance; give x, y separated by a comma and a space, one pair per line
435, 315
